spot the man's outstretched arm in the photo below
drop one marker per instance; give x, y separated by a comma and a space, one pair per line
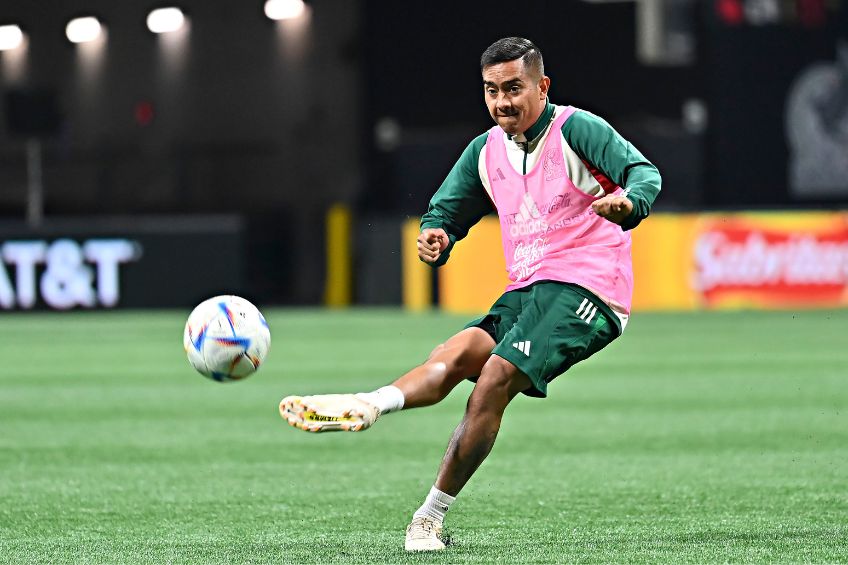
597, 142
460, 202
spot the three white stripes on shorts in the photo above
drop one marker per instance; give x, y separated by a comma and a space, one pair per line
586, 311
589, 312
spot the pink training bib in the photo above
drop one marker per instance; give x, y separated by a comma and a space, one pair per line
548, 228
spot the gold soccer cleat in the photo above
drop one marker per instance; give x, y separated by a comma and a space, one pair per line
328, 413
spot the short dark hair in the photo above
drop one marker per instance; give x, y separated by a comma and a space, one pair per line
510, 49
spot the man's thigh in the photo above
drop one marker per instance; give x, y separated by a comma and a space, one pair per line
466, 352
556, 326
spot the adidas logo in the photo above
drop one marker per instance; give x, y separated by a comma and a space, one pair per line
523, 347
587, 310
528, 209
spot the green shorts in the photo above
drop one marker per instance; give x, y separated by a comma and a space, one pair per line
545, 328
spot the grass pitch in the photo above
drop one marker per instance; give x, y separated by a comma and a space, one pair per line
697, 438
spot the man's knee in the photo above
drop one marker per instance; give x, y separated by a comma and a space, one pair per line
437, 351
458, 359
443, 369
498, 383
498, 373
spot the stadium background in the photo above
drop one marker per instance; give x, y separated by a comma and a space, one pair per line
360, 108
284, 160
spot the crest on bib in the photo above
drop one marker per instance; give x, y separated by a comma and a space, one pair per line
553, 164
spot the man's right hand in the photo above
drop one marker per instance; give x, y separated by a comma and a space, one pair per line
431, 243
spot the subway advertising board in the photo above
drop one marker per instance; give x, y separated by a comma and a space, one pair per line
692, 261
154, 262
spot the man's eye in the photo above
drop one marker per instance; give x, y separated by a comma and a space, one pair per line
515, 89
491, 91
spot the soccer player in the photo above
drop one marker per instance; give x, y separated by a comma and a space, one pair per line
567, 188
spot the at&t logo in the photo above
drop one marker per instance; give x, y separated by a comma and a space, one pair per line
85, 275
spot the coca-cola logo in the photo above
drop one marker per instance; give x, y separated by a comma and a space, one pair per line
764, 261
527, 258
532, 251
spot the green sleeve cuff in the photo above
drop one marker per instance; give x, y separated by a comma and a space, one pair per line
443, 257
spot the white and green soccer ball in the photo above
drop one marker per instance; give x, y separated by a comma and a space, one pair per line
226, 338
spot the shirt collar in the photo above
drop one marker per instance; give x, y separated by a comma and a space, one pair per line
538, 128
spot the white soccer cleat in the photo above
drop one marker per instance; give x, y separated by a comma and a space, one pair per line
328, 413
424, 534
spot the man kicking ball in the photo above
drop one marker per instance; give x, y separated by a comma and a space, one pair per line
567, 188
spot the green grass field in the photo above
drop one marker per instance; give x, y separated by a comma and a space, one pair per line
698, 438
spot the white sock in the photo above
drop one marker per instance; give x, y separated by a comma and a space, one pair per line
436, 505
387, 399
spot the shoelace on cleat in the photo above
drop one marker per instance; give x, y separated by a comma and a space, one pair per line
422, 528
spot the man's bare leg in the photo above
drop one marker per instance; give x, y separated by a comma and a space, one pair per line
475, 436
460, 357
500, 381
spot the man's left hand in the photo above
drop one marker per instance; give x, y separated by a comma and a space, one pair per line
613, 207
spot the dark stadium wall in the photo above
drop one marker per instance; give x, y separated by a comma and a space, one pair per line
775, 78
245, 116
422, 78
422, 72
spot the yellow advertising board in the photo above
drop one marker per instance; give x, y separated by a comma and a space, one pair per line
691, 261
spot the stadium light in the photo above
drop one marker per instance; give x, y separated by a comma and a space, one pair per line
83, 30
284, 9
165, 20
11, 37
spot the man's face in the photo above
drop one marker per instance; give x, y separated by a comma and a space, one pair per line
514, 96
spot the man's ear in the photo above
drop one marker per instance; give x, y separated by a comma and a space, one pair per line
544, 86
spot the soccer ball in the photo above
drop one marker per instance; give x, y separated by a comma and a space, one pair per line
226, 338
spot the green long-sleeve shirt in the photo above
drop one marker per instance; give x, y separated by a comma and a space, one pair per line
594, 153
